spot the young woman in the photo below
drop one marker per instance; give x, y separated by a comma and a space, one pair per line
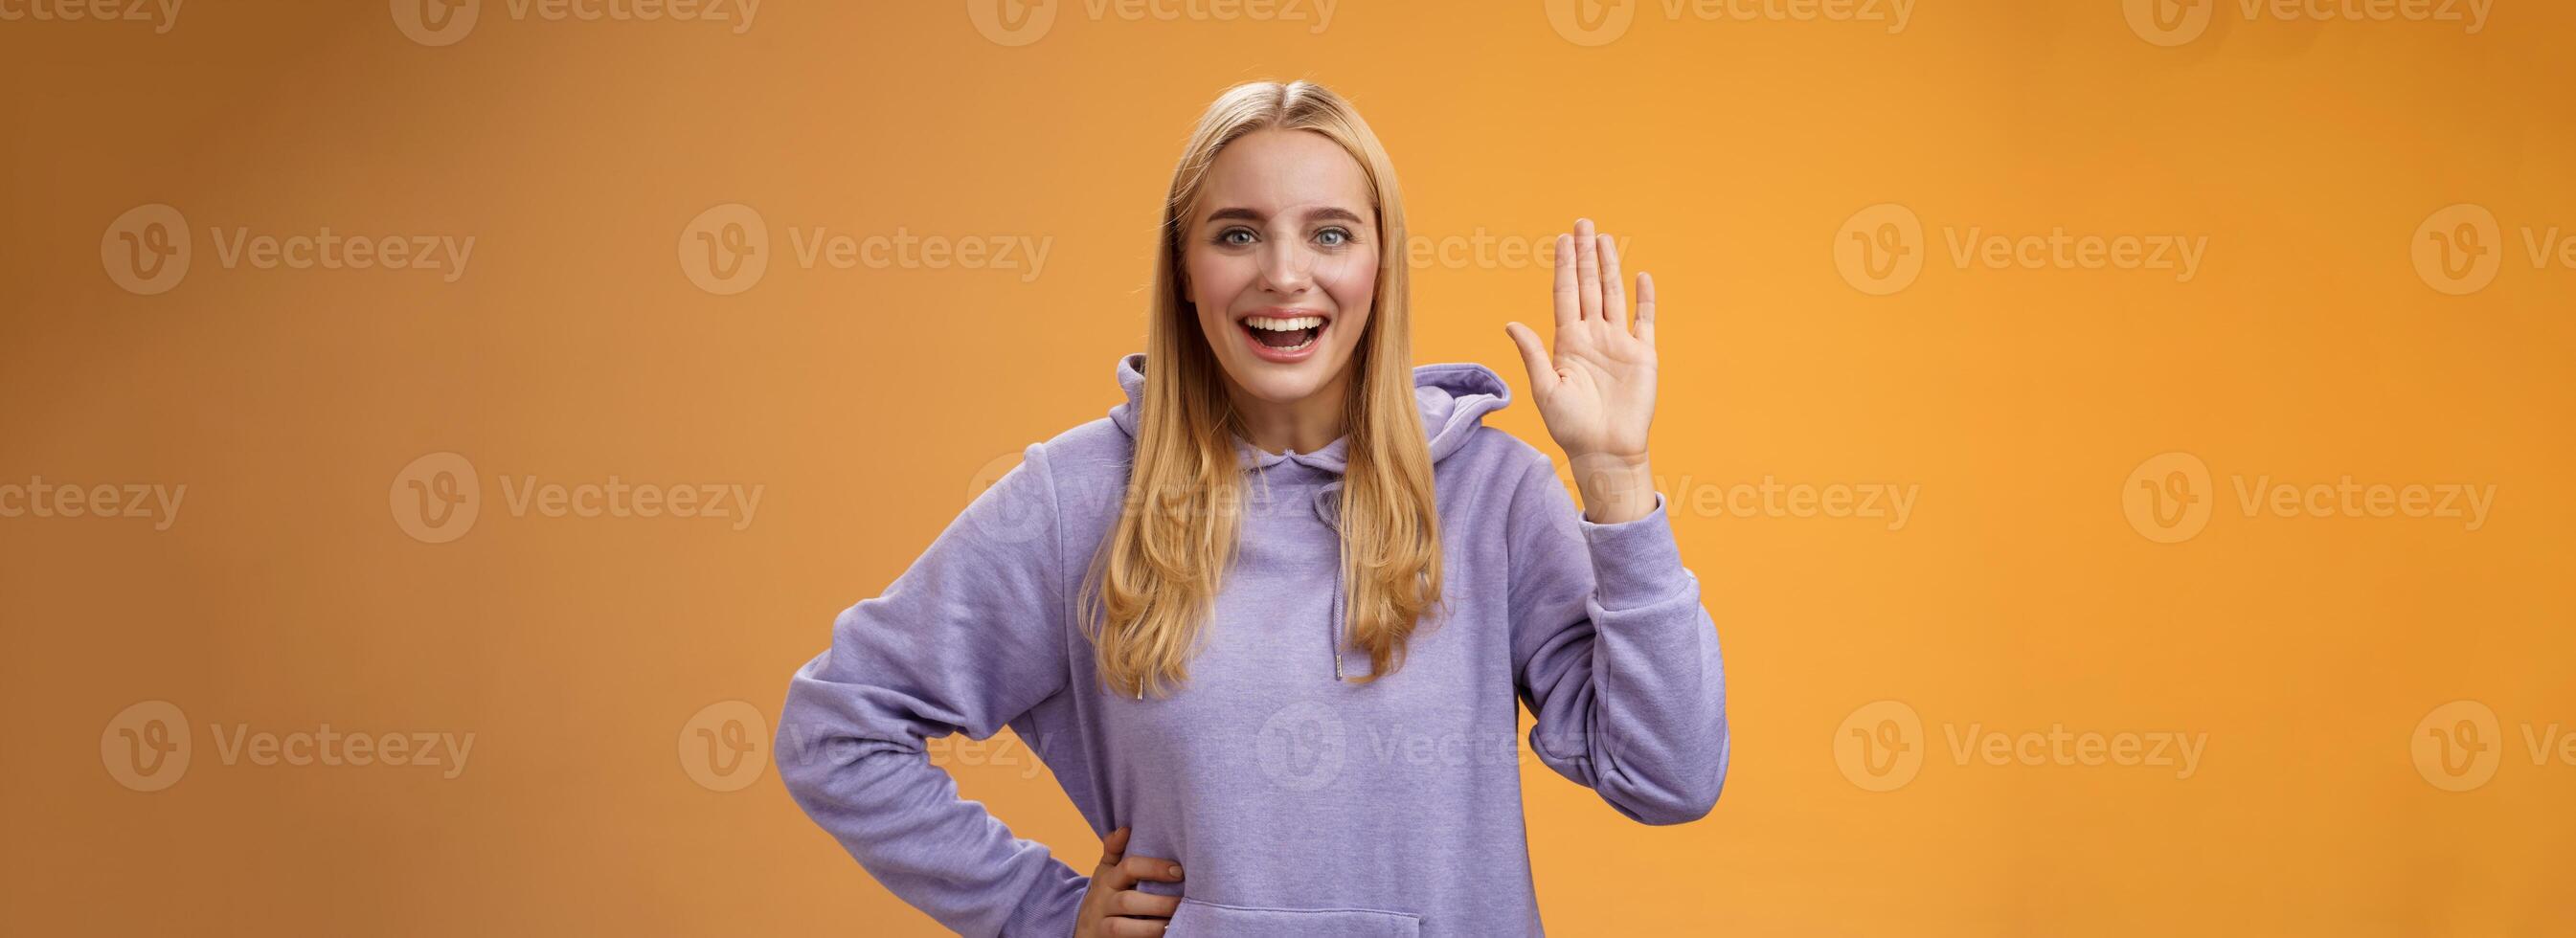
1271, 620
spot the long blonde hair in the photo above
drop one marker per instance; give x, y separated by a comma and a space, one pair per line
1157, 574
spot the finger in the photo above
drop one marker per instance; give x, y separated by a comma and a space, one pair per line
1113, 847
1151, 868
1142, 903
1587, 267
1614, 298
1646, 308
1533, 356
1569, 306
1132, 927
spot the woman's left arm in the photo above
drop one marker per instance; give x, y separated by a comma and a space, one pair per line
1614, 652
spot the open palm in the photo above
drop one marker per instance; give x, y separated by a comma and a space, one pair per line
1597, 394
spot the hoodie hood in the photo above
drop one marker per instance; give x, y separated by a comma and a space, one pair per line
1454, 398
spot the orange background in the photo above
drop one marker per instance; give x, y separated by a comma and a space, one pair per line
870, 403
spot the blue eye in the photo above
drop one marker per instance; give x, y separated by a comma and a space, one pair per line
1227, 236
1343, 235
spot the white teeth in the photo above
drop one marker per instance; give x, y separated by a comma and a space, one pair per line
1288, 324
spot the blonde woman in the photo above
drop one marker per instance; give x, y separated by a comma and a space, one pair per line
1271, 620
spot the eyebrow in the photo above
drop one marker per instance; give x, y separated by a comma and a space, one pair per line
1315, 215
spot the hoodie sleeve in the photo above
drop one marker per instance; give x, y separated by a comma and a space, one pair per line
1615, 655
965, 640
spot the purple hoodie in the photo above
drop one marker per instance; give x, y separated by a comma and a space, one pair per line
1298, 802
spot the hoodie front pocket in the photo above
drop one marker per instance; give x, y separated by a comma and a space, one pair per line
1199, 917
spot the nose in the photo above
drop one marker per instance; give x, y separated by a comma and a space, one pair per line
1286, 268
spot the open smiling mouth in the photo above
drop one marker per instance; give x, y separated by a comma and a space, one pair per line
1286, 335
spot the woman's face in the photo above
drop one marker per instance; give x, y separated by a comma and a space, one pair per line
1283, 236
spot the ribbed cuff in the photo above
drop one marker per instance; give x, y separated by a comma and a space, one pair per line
1635, 563
1051, 913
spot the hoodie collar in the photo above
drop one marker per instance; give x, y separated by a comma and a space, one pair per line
1454, 398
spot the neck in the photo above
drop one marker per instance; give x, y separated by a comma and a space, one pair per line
1303, 425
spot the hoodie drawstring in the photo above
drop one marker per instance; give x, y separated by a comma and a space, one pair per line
1328, 507
1454, 398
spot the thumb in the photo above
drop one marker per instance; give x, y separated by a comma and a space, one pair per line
1533, 355
1113, 848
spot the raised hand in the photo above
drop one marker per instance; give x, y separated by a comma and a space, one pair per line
1597, 394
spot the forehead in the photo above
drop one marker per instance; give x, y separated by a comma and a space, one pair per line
1274, 171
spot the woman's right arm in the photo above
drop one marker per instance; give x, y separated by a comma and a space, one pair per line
965, 640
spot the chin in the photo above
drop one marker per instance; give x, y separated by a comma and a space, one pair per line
1283, 384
